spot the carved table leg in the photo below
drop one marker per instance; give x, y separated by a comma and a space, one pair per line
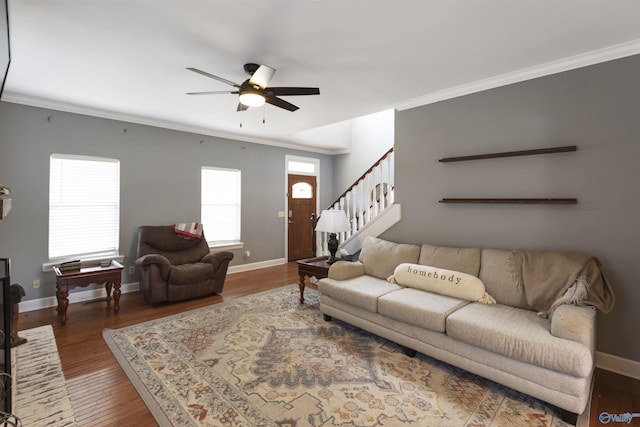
63, 304
107, 287
116, 297
301, 285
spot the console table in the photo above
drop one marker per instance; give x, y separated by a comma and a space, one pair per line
67, 280
318, 267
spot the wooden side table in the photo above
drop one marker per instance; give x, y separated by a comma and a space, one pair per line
65, 281
317, 267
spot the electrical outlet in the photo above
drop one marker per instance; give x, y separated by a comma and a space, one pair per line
132, 270
36, 284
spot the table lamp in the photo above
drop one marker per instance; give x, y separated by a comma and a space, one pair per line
333, 221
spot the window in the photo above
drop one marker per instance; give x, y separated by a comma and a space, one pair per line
84, 206
301, 167
220, 210
301, 190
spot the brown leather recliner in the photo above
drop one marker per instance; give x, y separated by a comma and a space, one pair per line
173, 268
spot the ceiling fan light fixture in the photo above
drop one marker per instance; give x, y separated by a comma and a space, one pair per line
251, 99
254, 92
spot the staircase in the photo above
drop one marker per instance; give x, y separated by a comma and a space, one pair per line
369, 206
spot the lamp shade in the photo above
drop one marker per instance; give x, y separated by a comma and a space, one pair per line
333, 221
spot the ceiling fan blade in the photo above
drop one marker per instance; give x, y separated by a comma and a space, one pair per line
220, 79
262, 76
213, 92
242, 107
291, 91
281, 103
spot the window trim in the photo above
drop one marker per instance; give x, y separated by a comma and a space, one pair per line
90, 256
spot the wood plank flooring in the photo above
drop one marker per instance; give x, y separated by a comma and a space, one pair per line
102, 395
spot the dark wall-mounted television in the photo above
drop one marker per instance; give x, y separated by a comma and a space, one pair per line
5, 51
5, 266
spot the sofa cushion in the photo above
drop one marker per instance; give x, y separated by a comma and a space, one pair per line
518, 334
381, 257
501, 273
190, 273
362, 291
466, 260
441, 281
415, 307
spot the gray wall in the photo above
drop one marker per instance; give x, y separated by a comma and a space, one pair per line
596, 108
159, 180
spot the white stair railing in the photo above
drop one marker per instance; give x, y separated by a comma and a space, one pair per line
369, 195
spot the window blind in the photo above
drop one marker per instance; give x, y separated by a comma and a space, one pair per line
220, 204
84, 206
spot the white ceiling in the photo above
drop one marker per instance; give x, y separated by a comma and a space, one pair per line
126, 59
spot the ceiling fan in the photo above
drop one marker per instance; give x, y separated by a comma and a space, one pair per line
254, 92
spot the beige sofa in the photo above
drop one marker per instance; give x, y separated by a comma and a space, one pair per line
510, 341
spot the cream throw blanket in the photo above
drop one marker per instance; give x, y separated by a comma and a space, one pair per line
554, 278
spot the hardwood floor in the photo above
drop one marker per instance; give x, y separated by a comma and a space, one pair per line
102, 395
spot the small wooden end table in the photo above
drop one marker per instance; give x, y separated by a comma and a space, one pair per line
318, 267
67, 280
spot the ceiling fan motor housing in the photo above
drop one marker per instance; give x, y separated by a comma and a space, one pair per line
251, 68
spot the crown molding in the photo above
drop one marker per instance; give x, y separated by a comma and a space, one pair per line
577, 61
34, 101
566, 64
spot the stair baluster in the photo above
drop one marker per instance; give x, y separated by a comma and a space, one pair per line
367, 197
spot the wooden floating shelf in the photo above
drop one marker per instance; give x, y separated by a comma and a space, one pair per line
564, 149
514, 201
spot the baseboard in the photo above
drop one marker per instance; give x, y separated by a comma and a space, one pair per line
92, 294
255, 265
619, 365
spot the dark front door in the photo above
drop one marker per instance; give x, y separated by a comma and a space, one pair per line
302, 203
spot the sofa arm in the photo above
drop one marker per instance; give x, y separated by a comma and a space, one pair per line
343, 270
163, 264
217, 259
575, 323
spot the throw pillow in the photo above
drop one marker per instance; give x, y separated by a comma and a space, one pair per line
441, 281
380, 257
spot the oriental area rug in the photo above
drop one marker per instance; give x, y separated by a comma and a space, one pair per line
267, 360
